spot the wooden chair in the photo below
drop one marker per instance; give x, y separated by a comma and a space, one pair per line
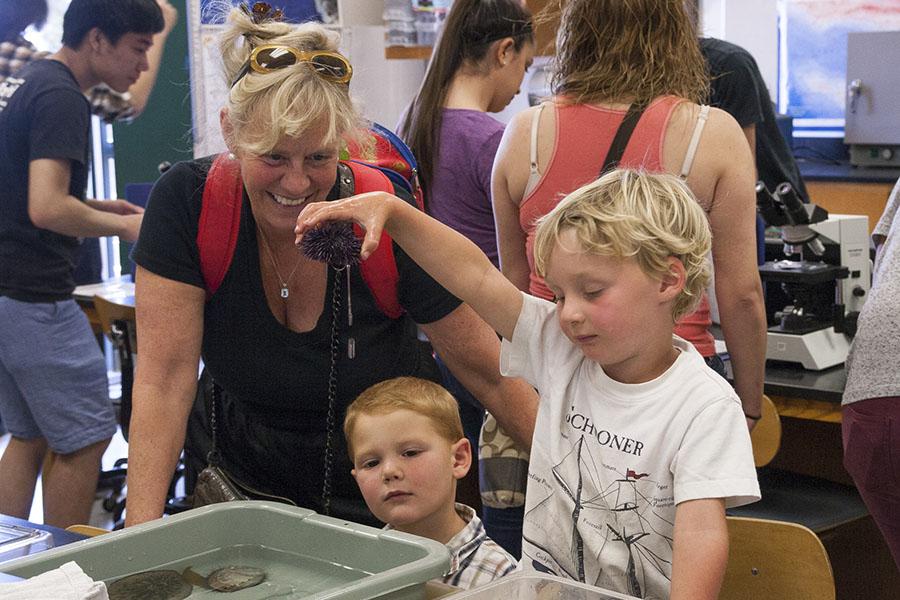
117, 321
860, 566
120, 326
775, 560
770, 558
766, 436
87, 530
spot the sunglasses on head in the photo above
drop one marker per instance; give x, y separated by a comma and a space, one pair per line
329, 65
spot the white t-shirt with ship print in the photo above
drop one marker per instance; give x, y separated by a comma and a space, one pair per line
610, 461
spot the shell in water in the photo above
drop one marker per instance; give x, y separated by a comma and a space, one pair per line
234, 578
150, 585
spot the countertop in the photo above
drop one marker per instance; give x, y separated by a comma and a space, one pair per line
845, 172
793, 381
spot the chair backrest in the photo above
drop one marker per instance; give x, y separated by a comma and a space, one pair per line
119, 325
110, 313
775, 559
766, 436
87, 530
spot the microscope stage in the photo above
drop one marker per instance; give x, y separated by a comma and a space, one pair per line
817, 350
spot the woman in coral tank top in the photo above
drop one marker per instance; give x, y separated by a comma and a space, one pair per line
611, 55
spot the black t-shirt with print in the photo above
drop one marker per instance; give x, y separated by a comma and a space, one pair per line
274, 380
43, 114
737, 87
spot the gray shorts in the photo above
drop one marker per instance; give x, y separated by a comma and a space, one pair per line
52, 376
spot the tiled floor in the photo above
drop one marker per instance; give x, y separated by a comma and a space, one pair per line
118, 448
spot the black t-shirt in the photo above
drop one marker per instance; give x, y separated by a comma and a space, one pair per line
274, 380
43, 114
737, 87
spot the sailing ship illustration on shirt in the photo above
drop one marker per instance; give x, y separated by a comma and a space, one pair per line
620, 512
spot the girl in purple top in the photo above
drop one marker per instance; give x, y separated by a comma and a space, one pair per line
476, 68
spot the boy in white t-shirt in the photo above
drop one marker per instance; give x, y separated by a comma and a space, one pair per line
639, 446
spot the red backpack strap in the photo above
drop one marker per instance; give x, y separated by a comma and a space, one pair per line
379, 271
220, 219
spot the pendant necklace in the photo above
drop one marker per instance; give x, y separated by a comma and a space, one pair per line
284, 282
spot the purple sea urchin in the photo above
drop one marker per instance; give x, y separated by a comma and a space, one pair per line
333, 243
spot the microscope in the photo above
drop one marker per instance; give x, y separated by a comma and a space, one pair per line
816, 283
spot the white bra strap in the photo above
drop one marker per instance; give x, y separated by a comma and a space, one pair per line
695, 141
535, 119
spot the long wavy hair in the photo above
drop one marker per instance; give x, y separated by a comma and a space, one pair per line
626, 51
265, 107
470, 31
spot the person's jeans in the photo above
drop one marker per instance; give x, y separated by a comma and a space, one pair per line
504, 526
871, 437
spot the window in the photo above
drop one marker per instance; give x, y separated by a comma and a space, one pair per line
813, 57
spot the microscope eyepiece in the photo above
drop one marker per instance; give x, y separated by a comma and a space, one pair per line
765, 204
793, 205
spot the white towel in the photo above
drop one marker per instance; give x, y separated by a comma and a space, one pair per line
68, 582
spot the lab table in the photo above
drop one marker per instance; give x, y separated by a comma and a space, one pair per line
56, 537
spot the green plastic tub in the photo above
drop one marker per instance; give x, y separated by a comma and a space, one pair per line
305, 555
529, 586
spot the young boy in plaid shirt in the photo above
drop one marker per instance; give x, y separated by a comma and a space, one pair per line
408, 449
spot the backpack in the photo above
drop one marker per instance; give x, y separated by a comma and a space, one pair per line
390, 163
391, 156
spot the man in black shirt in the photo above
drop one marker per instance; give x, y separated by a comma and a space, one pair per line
737, 87
53, 391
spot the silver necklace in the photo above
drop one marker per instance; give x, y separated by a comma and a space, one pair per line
285, 292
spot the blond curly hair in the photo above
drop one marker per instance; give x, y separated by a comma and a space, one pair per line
264, 108
630, 213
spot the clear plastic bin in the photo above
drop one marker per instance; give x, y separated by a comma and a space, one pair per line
527, 586
17, 541
305, 555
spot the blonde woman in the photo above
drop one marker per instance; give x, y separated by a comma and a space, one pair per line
268, 336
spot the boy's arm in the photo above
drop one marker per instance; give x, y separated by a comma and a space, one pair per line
50, 206
700, 551
449, 257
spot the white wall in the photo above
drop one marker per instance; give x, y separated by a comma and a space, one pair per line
383, 88
387, 86
752, 25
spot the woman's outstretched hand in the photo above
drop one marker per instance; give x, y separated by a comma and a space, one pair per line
371, 211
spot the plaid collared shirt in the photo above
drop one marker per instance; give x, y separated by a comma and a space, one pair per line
475, 559
105, 103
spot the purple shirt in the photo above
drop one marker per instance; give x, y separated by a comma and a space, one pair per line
461, 186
